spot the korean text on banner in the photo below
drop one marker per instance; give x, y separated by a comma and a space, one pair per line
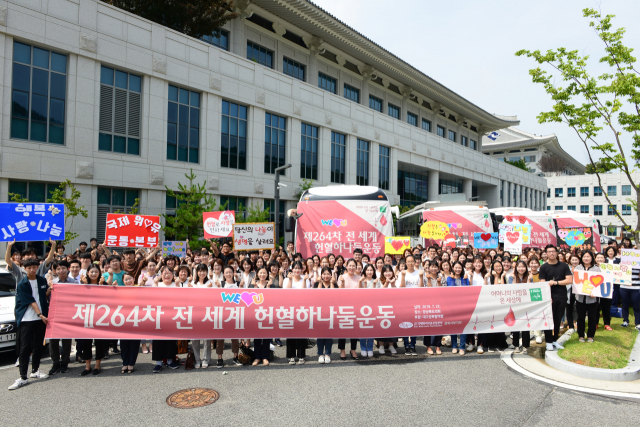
630, 257
24, 222
127, 230
575, 236
218, 224
597, 285
253, 236
178, 249
485, 240
396, 245
621, 273
105, 312
513, 242
523, 229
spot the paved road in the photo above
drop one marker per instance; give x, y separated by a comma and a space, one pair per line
442, 390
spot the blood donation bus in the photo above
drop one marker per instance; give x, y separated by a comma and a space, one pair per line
341, 218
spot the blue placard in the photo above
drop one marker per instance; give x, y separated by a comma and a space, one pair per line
480, 240
24, 222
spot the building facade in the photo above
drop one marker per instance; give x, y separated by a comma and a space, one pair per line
515, 144
583, 193
123, 107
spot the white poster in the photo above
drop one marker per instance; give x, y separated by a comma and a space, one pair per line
253, 236
513, 242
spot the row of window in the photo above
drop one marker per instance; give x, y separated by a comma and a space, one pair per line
612, 190
597, 209
527, 197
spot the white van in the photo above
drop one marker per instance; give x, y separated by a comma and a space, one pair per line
8, 329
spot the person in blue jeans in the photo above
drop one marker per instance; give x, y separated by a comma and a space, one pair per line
325, 281
458, 278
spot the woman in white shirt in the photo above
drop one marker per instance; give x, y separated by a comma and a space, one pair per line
165, 350
228, 283
201, 281
411, 278
247, 275
215, 273
368, 280
296, 347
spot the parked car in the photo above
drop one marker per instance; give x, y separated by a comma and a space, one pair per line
8, 327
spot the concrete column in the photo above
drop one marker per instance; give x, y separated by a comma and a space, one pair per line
467, 189
312, 75
434, 186
238, 42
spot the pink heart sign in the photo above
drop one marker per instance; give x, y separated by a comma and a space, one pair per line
513, 236
247, 298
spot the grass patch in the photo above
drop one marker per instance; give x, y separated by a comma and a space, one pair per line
610, 349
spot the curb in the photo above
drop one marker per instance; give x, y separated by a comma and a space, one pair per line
631, 372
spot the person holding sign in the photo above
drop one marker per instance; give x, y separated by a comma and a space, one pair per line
559, 276
586, 305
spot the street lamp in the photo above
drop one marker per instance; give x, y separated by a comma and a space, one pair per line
276, 197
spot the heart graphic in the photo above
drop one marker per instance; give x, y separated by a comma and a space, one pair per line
562, 233
509, 218
148, 222
522, 219
512, 236
247, 297
406, 242
337, 222
485, 236
596, 280
397, 244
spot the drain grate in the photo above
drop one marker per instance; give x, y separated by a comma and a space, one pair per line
192, 398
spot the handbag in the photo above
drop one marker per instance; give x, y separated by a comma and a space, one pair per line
616, 312
246, 356
191, 360
182, 346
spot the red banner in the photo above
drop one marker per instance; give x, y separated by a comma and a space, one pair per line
126, 231
107, 312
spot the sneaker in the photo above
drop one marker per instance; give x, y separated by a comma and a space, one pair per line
557, 346
392, 350
321, 359
173, 365
38, 374
106, 355
17, 363
381, 350
115, 350
54, 369
407, 351
470, 347
637, 327
550, 347
625, 324
279, 343
301, 361
272, 347
237, 362
292, 361
524, 349
571, 331
205, 365
538, 340
327, 359
364, 354
19, 383
511, 347
370, 353
480, 350
490, 350
64, 369
220, 364
157, 369
196, 366
413, 351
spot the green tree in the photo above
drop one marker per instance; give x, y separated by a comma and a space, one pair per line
603, 110
520, 163
191, 201
603, 165
304, 186
195, 18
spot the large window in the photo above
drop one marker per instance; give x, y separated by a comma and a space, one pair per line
559, 192
383, 167
440, 131
259, 54
450, 186
362, 172
394, 111
309, 152
327, 83
584, 209
293, 68
452, 136
597, 191
351, 93
120, 111
571, 192
597, 210
274, 143
612, 190
375, 103
412, 119
426, 125
412, 188
220, 40
626, 210
584, 191
626, 190
237, 204
38, 94
611, 210
233, 136
34, 192
337, 158
183, 125
111, 200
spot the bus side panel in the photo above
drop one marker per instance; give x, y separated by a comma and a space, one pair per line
460, 225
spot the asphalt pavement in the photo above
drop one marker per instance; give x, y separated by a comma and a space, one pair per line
388, 390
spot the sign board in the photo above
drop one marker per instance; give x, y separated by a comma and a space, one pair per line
395, 245
570, 237
523, 229
485, 240
513, 242
218, 224
37, 222
128, 231
598, 285
621, 273
178, 249
253, 236
630, 258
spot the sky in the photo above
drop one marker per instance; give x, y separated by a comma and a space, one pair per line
469, 46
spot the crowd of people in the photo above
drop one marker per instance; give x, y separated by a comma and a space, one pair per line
222, 267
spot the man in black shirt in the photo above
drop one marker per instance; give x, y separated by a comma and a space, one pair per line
559, 276
225, 255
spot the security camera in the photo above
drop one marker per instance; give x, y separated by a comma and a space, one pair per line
281, 185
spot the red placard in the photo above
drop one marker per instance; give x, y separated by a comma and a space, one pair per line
132, 231
218, 224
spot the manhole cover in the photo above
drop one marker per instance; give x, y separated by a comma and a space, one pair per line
192, 398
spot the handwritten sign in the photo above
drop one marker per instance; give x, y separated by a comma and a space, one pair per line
485, 240
254, 236
513, 242
575, 236
178, 249
630, 257
621, 273
396, 245
218, 224
523, 229
128, 231
435, 230
597, 285
25, 222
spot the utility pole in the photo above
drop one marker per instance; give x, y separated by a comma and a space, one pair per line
276, 198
